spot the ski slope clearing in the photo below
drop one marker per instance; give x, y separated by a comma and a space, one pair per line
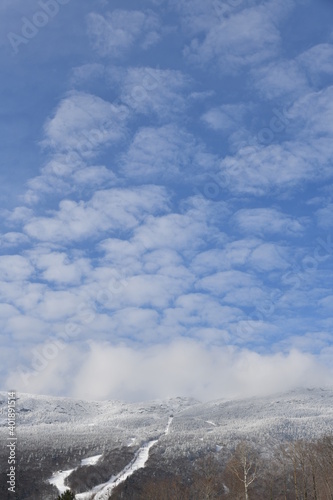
167, 430
58, 478
62, 431
91, 460
103, 491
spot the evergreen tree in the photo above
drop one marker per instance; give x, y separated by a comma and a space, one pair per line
68, 495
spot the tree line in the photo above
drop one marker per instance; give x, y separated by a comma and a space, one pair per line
298, 470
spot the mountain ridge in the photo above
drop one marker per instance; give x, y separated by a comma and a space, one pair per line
56, 433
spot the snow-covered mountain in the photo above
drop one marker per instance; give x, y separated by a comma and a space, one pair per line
61, 434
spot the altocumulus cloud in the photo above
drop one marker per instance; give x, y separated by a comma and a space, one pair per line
175, 237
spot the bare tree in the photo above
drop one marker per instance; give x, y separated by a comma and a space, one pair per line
207, 481
165, 489
243, 465
324, 464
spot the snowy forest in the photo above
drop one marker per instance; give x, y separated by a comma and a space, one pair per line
270, 448
299, 470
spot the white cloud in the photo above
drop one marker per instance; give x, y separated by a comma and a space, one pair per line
57, 305
149, 90
62, 165
181, 368
226, 281
123, 254
23, 294
198, 309
67, 175
234, 254
280, 79
325, 216
269, 257
314, 112
163, 259
258, 170
245, 297
177, 231
157, 153
247, 37
226, 118
134, 257
108, 210
154, 290
114, 34
253, 255
317, 60
262, 221
305, 156
7, 313
166, 154
108, 249
93, 177
317, 341
13, 239
57, 267
25, 328
18, 215
196, 17
47, 376
15, 268
132, 283
209, 261
46, 184
84, 123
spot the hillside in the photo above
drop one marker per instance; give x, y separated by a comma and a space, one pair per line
63, 434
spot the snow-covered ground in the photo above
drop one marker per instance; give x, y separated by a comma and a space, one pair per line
58, 478
47, 426
91, 460
167, 430
103, 491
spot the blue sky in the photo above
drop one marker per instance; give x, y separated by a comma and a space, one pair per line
166, 196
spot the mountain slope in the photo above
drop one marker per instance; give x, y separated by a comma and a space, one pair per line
58, 433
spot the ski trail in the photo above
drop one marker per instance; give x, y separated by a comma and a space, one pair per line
58, 480
103, 491
167, 430
90, 460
